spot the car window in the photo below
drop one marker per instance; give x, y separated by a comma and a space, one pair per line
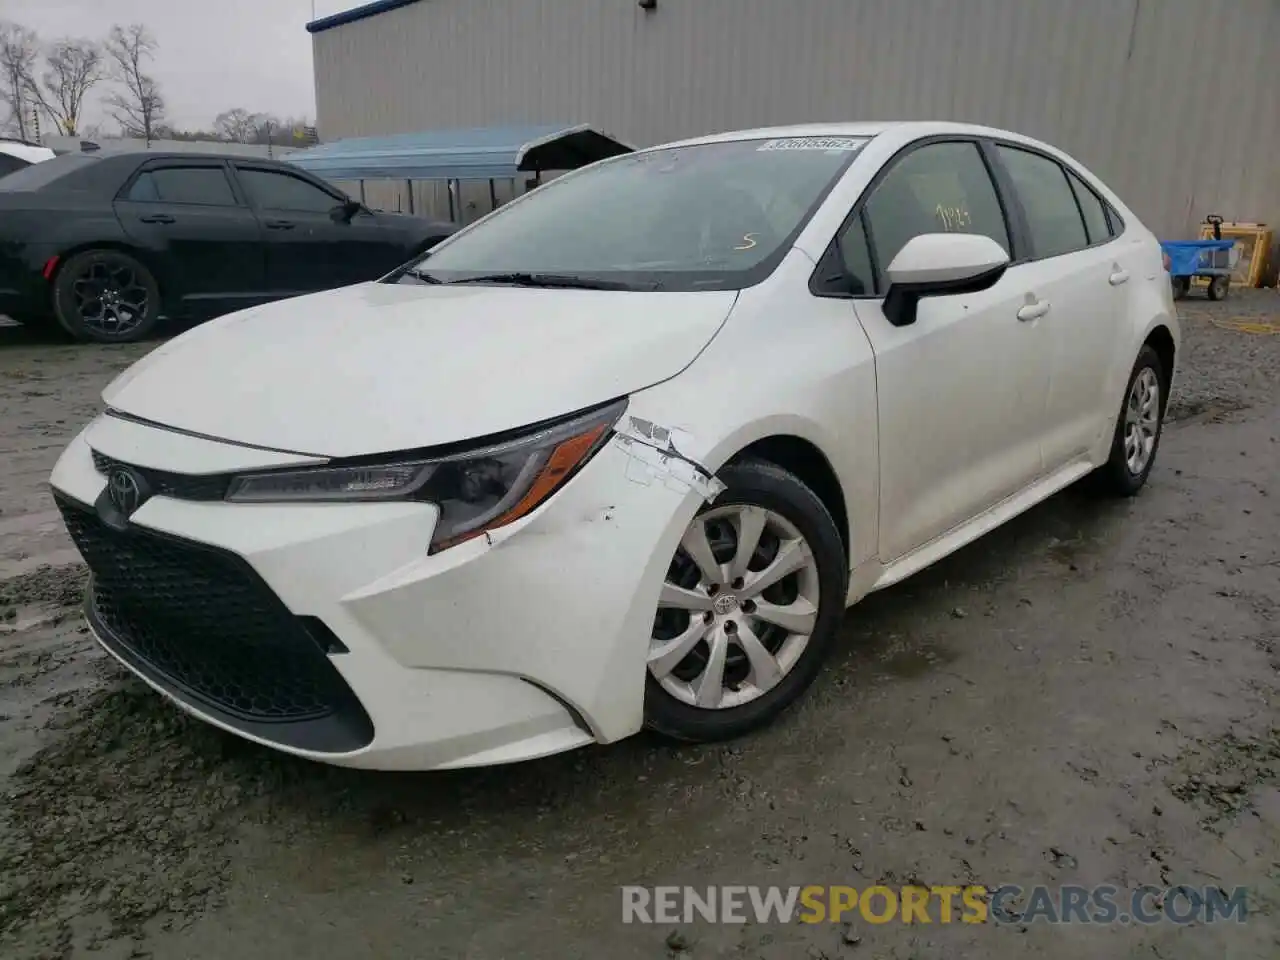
1052, 215
855, 255
1116, 221
1095, 215
281, 191
201, 185
937, 188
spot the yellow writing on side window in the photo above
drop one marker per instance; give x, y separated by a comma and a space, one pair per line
953, 217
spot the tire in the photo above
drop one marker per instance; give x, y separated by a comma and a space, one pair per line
1180, 287
1118, 476
1219, 287
106, 296
764, 495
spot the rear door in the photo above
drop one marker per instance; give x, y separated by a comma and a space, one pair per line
204, 241
1077, 268
308, 247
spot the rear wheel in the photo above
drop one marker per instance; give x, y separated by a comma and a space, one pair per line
1219, 287
1138, 429
750, 608
1180, 287
106, 296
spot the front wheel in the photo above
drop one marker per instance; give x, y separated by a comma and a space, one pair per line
1219, 287
1138, 429
106, 296
749, 610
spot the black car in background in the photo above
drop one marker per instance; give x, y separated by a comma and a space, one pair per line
107, 243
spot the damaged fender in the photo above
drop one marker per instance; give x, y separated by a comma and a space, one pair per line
653, 455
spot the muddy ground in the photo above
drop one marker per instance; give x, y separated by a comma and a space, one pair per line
1086, 696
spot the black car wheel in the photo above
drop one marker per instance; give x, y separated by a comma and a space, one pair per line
106, 296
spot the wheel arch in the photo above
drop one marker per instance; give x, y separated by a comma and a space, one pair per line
120, 246
806, 460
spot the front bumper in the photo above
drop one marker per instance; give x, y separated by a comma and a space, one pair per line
522, 644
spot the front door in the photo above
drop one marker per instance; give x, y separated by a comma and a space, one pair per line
204, 242
961, 391
308, 248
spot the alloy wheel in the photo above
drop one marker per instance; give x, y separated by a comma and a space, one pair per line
110, 296
1141, 420
737, 610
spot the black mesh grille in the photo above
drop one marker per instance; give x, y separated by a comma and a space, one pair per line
205, 622
161, 483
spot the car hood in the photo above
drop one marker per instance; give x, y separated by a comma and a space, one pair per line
384, 367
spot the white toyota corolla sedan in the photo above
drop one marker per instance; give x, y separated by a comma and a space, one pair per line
620, 454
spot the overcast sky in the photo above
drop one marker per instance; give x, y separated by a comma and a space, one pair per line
214, 54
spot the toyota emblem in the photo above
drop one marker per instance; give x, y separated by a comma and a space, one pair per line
124, 488
725, 604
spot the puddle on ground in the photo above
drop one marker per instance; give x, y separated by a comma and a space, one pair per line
916, 661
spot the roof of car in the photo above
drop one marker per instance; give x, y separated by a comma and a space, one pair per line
139, 153
919, 128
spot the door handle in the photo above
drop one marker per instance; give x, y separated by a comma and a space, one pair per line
1119, 277
158, 218
1034, 311
280, 224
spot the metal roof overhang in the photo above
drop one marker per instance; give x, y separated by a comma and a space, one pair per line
481, 153
362, 12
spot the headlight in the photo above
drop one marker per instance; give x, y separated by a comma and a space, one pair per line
476, 490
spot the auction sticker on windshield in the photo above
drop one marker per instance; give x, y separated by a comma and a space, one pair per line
825, 144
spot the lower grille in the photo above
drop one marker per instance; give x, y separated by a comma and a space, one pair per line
201, 623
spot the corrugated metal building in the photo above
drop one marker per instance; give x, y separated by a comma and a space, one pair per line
1173, 102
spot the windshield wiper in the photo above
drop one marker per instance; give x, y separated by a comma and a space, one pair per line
421, 275
548, 280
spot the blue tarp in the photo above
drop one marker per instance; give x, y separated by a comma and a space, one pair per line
1187, 257
480, 153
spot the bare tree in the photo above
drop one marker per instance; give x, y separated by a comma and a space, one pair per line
139, 108
237, 125
73, 67
268, 129
19, 50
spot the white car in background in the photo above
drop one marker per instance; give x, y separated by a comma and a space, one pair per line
18, 154
621, 453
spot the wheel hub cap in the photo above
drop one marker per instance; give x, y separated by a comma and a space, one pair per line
109, 296
1141, 421
737, 609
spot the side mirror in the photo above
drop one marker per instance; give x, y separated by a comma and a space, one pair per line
938, 265
345, 212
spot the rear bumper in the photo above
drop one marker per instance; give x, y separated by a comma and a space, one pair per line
22, 303
24, 292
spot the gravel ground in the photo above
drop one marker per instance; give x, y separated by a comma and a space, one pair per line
1085, 696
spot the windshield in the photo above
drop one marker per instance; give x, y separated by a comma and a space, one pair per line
708, 216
